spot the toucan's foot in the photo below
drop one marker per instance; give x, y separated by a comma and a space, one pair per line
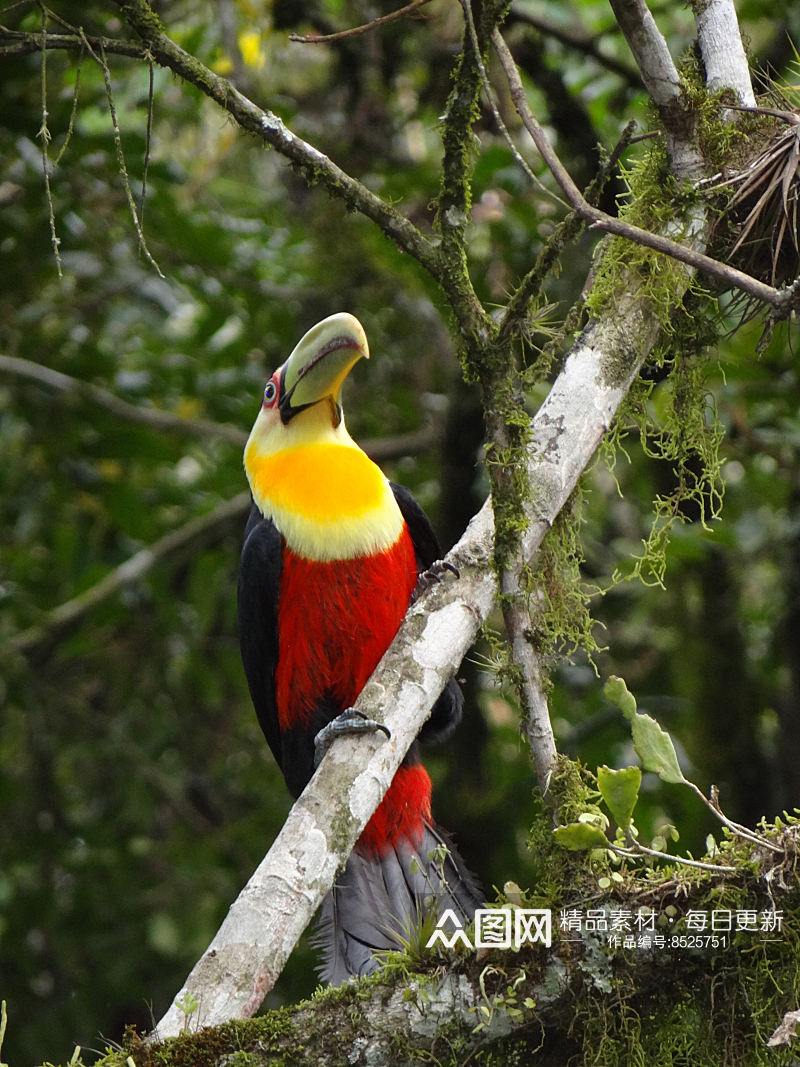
433, 575
349, 722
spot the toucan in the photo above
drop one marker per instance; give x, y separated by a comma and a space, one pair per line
333, 553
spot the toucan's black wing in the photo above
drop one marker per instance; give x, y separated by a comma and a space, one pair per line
259, 579
446, 712
425, 541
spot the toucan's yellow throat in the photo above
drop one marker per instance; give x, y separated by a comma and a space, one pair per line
324, 494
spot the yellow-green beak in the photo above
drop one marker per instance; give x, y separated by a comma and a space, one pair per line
319, 364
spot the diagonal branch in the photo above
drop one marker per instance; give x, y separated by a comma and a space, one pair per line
315, 167
154, 417
198, 531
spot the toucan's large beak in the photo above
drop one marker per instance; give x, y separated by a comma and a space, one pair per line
320, 363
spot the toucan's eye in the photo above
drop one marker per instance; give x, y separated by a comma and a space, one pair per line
270, 393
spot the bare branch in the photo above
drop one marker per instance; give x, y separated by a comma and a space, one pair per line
200, 530
154, 417
324, 38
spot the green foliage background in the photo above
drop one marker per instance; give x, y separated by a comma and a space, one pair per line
135, 789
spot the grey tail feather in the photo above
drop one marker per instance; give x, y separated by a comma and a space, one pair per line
378, 898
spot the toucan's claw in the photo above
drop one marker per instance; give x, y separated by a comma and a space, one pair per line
348, 723
433, 575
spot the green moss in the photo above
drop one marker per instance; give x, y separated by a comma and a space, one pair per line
561, 621
655, 202
673, 416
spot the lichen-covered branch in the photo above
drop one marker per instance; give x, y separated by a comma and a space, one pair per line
722, 50
663, 83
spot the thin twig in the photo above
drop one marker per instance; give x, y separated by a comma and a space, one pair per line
269, 128
313, 38
44, 135
154, 417
639, 849
498, 118
148, 140
72, 115
735, 828
123, 169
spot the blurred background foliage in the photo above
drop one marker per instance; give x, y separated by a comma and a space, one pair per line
136, 792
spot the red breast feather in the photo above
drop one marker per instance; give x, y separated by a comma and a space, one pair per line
335, 621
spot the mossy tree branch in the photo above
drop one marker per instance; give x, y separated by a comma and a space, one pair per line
504, 1003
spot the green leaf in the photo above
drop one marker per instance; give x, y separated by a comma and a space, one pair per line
655, 749
579, 836
652, 744
618, 693
620, 791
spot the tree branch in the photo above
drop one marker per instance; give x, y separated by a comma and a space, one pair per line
580, 40
153, 417
722, 50
313, 165
354, 31
784, 301
200, 530
26, 44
